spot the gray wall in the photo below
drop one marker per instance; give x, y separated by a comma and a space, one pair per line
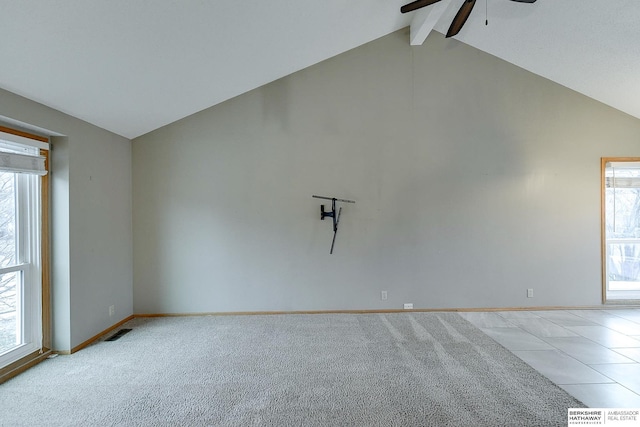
92, 265
474, 181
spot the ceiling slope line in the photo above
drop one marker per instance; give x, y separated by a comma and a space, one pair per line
425, 20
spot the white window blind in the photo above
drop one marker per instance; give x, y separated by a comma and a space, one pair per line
18, 157
19, 163
622, 175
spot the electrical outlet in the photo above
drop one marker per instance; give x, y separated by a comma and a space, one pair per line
112, 310
408, 306
383, 295
529, 293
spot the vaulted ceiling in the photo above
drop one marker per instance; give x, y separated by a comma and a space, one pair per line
132, 66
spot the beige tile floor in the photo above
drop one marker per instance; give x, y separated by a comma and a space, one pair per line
592, 354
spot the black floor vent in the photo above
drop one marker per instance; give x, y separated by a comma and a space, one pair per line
118, 334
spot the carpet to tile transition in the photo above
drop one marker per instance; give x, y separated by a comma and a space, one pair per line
404, 369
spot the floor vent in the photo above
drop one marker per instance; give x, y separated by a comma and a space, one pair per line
118, 334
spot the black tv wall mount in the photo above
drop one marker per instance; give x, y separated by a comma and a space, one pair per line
332, 214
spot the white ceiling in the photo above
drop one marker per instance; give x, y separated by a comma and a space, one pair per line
132, 66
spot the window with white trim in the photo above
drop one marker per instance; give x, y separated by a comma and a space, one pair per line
621, 229
21, 171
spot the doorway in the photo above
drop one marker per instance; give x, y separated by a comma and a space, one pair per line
621, 229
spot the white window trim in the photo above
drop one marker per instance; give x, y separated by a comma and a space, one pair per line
28, 207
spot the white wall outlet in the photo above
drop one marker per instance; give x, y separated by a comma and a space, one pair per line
408, 306
529, 293
112, 310
383, 295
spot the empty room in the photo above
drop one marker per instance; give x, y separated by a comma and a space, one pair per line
319, 213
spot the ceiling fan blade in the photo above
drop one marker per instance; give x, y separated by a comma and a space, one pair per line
461, 17
417, 5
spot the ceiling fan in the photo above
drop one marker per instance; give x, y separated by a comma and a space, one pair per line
461, 16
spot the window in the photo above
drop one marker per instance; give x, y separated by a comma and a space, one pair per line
621, 229
22, 214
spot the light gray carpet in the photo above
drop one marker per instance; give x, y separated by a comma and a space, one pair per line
405, 369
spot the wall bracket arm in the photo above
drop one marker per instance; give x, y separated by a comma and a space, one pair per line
332, 214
